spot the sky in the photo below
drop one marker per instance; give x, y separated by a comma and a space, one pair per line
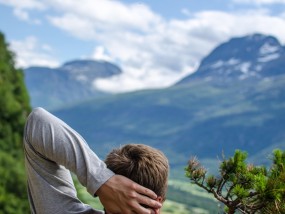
154, 42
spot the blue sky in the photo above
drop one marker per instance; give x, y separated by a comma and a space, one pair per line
155, 42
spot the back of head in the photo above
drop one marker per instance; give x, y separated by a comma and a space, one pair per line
142, 164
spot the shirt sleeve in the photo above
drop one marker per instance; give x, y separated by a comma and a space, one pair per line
51, 147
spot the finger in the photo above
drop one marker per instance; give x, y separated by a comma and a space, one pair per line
145, 191
148, 202
142, 210
151, 211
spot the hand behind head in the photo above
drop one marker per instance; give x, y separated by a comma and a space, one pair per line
120, 195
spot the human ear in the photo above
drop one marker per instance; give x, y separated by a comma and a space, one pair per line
160, 199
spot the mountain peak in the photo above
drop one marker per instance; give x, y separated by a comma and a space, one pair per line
256, 37
256, 55
244, 48
95, 67
72, 82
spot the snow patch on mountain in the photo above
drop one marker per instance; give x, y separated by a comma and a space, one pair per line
218, 64
244, 67
221, 63
258, 67
268, 49
81, 78
268, 52
269, 57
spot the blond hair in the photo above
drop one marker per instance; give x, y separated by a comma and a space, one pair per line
143, 164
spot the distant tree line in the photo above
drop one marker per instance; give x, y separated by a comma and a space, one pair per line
243, 187
14, 108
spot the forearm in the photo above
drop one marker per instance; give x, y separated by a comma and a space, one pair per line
57, 142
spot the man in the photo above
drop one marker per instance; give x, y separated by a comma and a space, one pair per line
143, 164
52, 148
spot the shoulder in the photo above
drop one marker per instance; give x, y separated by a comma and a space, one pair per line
38, 110
39, 114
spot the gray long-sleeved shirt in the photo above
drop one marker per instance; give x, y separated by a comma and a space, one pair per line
52, 148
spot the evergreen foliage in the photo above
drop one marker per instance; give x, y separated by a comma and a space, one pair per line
244, 187
14, 107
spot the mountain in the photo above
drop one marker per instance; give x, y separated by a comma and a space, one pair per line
198, 116
70, 83
197, 119
251, 57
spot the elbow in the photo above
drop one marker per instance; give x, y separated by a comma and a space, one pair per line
35, 119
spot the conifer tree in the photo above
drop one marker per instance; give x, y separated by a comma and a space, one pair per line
244, 187
14, 107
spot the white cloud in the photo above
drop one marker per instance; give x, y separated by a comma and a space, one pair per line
31, 52
108, 13
24, 4
91, 19
139, 79
24, 16
21, 9
75, 25
101, 54
21, 14
260, 2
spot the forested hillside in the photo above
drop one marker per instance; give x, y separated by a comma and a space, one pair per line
14, 107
